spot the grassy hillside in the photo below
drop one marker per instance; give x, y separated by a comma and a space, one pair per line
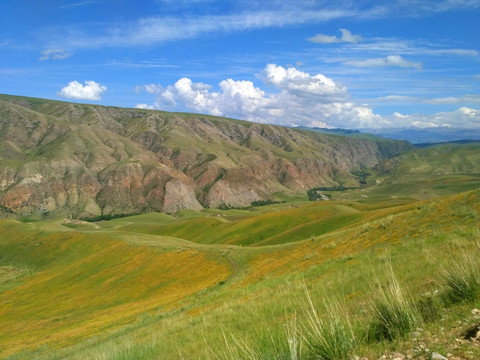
421, 174
110, 292
75, 284
439, 160
273, 225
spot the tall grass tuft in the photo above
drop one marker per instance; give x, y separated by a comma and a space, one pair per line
294, 339
330, 337
394, 315
461, 280
237, 348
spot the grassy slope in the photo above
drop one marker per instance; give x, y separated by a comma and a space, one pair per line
160, 297
281, 224
81, 284
435, 171
421, 174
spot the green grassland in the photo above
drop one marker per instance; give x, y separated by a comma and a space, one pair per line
421, 174
236, 284
111, 293
260, 226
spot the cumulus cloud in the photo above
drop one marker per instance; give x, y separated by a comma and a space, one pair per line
90, 91
303, 84
471, 113
299, 99
391, 60
347, 37
53, 54
235, 98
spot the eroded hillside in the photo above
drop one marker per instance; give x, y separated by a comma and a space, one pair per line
81, 160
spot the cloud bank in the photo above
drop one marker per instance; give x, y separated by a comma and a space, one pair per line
90, 91
298, 98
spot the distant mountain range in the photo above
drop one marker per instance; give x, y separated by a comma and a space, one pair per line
78, 160
412, 135
427, 135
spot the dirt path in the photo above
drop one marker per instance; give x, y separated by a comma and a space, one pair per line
235, 267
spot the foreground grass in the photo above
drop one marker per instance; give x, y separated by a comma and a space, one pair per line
91, 295
394, 314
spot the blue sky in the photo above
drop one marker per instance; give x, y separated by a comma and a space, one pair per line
350, 64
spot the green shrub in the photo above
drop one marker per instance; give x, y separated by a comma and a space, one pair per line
265, 202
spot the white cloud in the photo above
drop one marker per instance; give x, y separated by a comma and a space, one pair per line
390, 60
235, 98
464, 99
246, 15
303, 84
79, 4
90, 91
145, 106
471, 99
154, 30
417, 7
53, 54
464, 118
396, 98
408, 47
141, 64
399, 115
347, 37
299, 99
459, 52
473, 113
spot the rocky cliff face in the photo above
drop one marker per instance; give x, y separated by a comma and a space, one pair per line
83, 160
